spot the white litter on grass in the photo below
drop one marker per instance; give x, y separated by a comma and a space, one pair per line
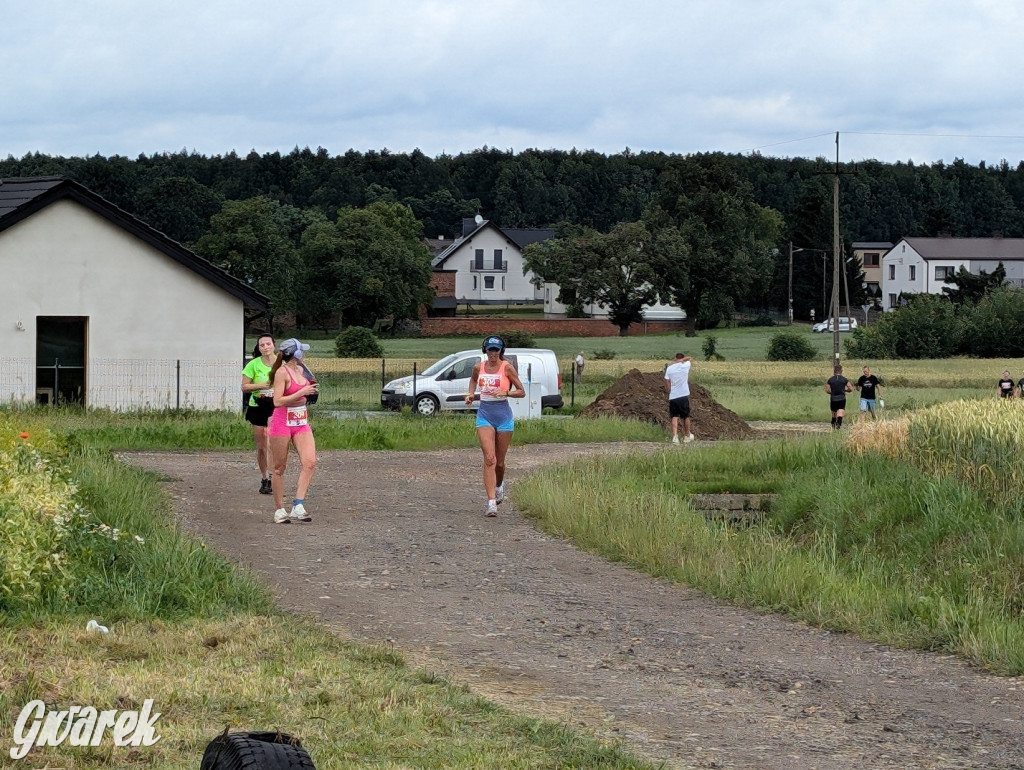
96, 628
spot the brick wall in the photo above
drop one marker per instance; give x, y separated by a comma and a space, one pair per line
542, 327
443, 282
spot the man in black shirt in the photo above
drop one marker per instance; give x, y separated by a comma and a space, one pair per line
837, 387
870, 388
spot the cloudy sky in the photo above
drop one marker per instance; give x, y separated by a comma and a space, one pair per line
921, 80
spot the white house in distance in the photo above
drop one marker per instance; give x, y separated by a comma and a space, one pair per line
923, 265
105, 311
488, 265
656, 312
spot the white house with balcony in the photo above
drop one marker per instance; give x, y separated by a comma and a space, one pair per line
488, 264
925, 265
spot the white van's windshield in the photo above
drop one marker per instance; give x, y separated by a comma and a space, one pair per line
438, 366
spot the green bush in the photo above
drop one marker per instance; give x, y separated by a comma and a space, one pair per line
710, 348
603, 355
927, 327
790, 346
357, 342
762, 319
990, 328
516, 338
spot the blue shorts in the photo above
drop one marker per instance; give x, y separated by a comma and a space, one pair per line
495, 414
867, 405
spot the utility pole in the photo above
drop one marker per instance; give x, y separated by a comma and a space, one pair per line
791, 283
835, 262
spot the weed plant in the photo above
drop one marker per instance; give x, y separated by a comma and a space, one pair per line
351, 705
866, 543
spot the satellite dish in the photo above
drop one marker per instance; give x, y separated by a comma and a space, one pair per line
478, 219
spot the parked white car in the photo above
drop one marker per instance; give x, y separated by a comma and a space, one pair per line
443, 384
845, 325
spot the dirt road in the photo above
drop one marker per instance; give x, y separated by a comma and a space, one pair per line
399, 550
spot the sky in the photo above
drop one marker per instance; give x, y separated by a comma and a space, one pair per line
903, 80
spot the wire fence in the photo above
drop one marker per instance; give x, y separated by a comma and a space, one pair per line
155, 384
124, 384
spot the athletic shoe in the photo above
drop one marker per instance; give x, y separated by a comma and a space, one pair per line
499, 494
281, 516
675, 439
299, 513
492, 508
689, 438
265, 488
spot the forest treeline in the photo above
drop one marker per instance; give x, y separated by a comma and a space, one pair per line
180, 193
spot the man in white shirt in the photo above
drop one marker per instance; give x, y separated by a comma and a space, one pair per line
677, 386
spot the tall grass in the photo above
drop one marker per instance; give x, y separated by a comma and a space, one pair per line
184, 430
856, 543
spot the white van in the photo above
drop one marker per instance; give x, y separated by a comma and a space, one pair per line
444, 384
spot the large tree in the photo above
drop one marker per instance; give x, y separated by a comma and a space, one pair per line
970, 289
255, 240
729, 238
371, 264
617, 269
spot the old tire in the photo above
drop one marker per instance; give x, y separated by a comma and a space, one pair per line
256, 751
426, 405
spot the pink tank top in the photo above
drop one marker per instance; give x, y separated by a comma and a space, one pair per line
294, 386
489, 384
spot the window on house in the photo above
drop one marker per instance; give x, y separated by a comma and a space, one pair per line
478, 259
503, 283
913, 272
944, 272
892, 300
497, 260
892, 272
871, 258
474, 282
488, 281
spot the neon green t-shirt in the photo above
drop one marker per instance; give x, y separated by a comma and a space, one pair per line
258, 372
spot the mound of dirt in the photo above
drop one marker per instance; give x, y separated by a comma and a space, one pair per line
640, 396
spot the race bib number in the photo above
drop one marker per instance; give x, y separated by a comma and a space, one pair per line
296, 417
490, 386
266, 393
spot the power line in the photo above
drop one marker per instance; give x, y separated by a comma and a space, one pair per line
887, 133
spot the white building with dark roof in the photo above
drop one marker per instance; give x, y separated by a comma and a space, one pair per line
105, 311
924, 265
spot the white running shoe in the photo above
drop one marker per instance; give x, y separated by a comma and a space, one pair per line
281, 516
299, 513
689, 438
492, 508
675, 439
499, 494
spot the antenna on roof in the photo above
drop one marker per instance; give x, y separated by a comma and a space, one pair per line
478, 219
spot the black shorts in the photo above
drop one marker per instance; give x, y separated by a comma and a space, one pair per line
679, 407
259, 415
837, 405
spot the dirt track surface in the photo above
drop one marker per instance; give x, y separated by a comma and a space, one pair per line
399, 550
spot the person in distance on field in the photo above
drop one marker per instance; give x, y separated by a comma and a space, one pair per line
498, 381
870, 389
677, 386
1005, 387
837, 386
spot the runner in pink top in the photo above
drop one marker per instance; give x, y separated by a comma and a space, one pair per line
289, 424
